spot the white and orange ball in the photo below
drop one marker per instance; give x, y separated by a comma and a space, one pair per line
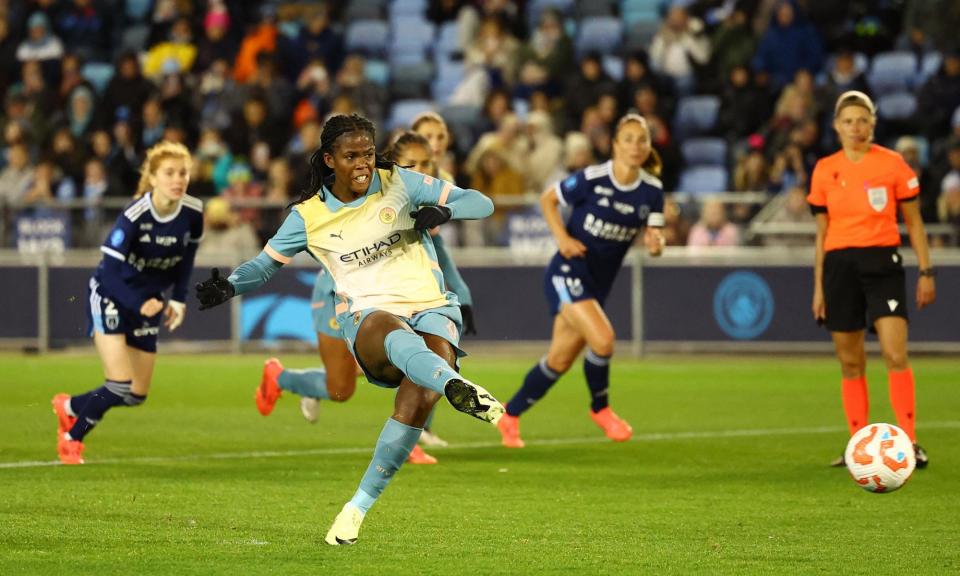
880, 457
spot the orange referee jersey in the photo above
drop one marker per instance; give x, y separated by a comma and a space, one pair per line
861, 197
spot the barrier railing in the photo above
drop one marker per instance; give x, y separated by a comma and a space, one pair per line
727, 300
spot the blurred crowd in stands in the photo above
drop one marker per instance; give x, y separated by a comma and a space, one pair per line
738, 93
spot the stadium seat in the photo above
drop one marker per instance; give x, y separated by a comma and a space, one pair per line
410, 28
364, 10
400, 53
377, 71
703, 180
860, 64
399, 8
410, 80
898, 106
535, 7
704, 151
640, 35
367, 36
892, 72
136, 10
98, 74
601, 33
928, 67
591, 8
613, 65
464, 124
634, 11
404, 111
290, 28
448, 40
134, 38
696, 115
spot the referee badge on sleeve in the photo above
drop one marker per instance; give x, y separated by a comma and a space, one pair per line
877, 197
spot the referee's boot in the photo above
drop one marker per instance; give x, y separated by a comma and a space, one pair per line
474, 400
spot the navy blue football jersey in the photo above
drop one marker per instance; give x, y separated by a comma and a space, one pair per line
607, 215
145, 254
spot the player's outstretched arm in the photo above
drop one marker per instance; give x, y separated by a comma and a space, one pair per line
290, 239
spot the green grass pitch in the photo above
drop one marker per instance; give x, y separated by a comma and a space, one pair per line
726, 474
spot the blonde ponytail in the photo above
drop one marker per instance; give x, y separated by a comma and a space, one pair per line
653, 164
155, 155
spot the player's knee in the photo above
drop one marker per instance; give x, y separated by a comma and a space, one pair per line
603, 346
851, 368
896, 360
131, 399
556, 365
341, 389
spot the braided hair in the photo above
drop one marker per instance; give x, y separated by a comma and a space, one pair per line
336, 126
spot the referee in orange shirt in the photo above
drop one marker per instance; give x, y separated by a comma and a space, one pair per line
858, 273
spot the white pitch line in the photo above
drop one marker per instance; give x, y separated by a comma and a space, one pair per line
648, 437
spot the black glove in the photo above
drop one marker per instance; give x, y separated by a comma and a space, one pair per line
428, 217
214, 291
466, 311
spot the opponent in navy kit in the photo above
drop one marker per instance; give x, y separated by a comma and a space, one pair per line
150, 249
610, 203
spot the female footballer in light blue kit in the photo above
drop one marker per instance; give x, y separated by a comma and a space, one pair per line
337, 379
610, 203
366, 221
149, 251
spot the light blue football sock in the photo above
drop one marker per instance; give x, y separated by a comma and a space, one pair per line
408, 352
393, 447
311, 383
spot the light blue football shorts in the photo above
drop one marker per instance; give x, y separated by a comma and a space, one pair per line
444, 321
323, 304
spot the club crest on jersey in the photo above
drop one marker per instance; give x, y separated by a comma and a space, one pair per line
388, 215
877, 198
357, 316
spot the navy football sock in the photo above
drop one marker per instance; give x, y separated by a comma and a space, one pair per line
535, 386
79, 401
596, 368
111, 394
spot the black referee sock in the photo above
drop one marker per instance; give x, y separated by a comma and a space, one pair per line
596, 369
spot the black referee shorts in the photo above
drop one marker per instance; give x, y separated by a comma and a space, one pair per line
862, 283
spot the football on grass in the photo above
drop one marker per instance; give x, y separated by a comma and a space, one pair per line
880, 457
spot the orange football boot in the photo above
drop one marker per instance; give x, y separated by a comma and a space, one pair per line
268, 392
613, 426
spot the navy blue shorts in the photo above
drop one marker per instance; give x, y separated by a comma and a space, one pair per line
107, 317
569, 281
